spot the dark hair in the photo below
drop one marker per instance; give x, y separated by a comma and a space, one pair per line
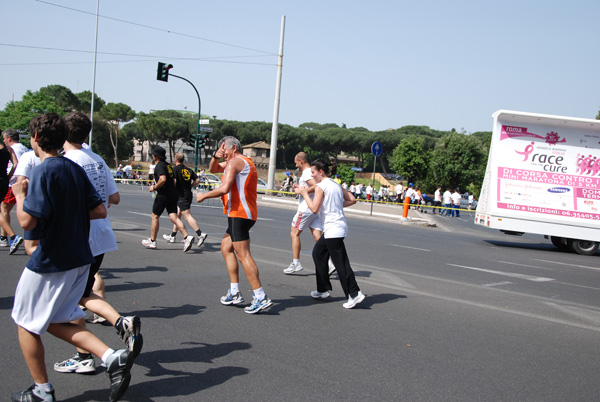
329, 168
12, 133
51, 131
79, 126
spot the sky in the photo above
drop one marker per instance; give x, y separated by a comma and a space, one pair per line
378, 65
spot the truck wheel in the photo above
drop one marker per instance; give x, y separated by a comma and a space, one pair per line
560, 243
583, 247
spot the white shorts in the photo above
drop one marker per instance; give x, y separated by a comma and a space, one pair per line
49, 298
305, 219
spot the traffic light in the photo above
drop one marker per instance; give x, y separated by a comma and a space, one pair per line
202, 140
162, 74
192, 140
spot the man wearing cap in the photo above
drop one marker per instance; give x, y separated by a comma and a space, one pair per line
166, 198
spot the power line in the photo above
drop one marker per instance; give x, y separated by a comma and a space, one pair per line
214, 59
158, 29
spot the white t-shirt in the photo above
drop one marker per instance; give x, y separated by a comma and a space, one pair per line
399, 188
437, 196
409, 193
456, 198
331, 212
102, 238
26, 164
19, 149
151, 168
369, 190
446, 197
303, 181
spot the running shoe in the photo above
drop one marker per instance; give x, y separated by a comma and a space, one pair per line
149, 243
3, 241
169, 238
352, 302
118, 367
76, 364
258, 305
189, 240
97, 319
293, 268
230, 299
14, 244
318, 295
201, 239
128, 329
331, 266
33, 394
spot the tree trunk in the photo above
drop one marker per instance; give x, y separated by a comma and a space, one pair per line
115, 143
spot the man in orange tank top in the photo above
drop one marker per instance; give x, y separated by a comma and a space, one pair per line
238, 192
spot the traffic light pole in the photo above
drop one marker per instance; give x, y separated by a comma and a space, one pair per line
198, 126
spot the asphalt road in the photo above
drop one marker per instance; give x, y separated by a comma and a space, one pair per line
455, 312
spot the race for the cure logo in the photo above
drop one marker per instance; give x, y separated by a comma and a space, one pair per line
528, 150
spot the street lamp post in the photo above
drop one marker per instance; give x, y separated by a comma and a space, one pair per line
198, 125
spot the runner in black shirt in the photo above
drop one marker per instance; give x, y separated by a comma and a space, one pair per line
166, 198
185, 179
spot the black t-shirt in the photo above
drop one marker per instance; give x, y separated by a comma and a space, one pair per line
184, 177
165, 169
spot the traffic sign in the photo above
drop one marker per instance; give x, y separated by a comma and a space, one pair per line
204, 121
206, 129
376, 148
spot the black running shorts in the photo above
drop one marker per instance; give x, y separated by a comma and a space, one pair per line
162, 202
239, 228
185, 203
93, 271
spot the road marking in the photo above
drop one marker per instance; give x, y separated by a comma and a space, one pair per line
510, 274
569, 265
413, 248
524, 265
497, 284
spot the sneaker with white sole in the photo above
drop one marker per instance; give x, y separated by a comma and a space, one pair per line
331, 266
14, 244
97, 319
128, 329
149, 243
258, 305
77, 365
33, 394
293, 268
230, 299
353, 301
187, 244
315, 294
201, 239
169, 238
3, 241
118, 368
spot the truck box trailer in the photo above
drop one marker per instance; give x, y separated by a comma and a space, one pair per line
543, 177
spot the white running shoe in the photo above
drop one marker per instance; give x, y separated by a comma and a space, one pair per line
331, 266
169, 238
201, 239
352, 302
293, 268
97, 319
76, 364
318, 295
187, 244
149, 243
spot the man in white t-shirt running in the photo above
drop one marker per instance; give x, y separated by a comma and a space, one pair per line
304, 217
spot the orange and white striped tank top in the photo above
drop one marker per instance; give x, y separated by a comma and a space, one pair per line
240, 202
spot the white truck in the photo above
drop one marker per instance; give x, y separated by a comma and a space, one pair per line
543, 177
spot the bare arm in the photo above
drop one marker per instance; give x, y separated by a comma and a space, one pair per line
19, 189
99, 212
234, 166
216, 166
162, 179
13, 159
315, 204
349, 199
114, 199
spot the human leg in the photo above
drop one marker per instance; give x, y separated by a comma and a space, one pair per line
242, 251
320, 256
339, 256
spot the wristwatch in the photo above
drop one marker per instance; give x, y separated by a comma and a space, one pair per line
215, 155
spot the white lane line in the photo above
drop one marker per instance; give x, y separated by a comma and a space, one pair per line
498, 284
413, 248
567, 264
509, 274
524, 265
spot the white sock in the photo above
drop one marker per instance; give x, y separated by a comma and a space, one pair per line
259, 293
106, 354
46, 387
296, 262
235, 288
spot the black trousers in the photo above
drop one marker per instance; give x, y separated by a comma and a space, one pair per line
334, 248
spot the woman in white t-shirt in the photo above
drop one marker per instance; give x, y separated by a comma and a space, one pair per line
329, 202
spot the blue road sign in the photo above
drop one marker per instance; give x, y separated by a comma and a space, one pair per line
376, 148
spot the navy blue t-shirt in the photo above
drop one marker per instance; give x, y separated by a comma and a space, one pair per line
60, 195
